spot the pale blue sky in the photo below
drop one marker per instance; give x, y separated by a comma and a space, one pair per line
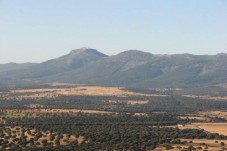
37, 30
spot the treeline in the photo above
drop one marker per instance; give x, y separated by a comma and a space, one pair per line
65, 119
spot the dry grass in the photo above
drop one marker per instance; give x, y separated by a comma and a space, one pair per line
219, 114
136, 102
210, 142
220, 128
206, 97
79, 90
140, 114
195, 117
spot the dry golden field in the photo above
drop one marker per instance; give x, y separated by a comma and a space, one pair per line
219, 114
220, 128
77, 90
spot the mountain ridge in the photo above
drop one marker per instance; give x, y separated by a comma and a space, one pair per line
129, 68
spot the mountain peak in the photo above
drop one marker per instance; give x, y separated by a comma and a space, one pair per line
79, 50
134, 54
132, 51
85, 50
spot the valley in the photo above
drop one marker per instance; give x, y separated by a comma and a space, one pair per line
63, 116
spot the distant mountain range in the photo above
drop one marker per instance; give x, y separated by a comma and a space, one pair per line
130, 68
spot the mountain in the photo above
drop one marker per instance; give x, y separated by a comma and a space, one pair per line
7, 69
137, 68
14, 66
76, 59
130, 68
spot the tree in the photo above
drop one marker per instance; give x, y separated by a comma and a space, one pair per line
222, 144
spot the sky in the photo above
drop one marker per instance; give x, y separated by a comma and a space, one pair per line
38, 30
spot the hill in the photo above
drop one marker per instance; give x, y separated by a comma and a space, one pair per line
131, 68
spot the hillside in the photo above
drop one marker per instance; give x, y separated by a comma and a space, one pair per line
130, 68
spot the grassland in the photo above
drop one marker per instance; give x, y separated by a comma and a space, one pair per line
219, 114
70, 91
220, 128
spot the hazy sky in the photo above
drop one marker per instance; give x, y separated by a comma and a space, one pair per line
37, 30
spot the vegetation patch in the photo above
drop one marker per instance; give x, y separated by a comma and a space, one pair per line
23, 137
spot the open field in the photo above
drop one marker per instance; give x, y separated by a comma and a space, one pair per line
83, 90
219, 114
75, 90
71, 91
220, 128
206, 116
137, 102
